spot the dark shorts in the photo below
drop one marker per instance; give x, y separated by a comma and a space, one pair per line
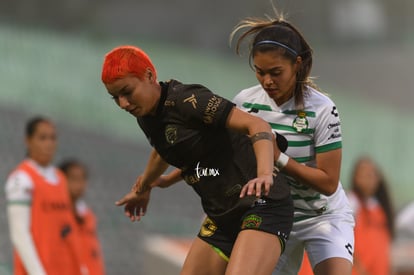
267, 215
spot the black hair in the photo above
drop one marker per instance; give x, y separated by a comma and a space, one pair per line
69, 163
32, 124
382, 193
287, 39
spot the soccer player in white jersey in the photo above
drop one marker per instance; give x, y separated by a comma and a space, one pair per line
287, 98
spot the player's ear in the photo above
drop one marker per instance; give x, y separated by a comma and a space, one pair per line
149, 74
298, 63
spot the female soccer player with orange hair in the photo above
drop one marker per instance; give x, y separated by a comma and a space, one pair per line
225, 154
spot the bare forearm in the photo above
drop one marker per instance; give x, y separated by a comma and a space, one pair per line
323, 178
261, 135
263, 150
264, 146
154, 169
312, 177
170, 179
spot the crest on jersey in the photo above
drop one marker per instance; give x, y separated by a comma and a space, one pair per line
170, 134
300, 123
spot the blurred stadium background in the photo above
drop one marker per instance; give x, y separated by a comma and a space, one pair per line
50, 61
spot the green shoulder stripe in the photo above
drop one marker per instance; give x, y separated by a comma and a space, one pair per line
256, 106
328, 147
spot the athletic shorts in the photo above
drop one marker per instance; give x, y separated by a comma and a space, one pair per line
325, 236
267, 215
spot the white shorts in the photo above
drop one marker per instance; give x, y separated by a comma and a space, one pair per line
326, 236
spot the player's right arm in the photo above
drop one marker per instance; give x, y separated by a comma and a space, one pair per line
136, 201
19, 188
154, 169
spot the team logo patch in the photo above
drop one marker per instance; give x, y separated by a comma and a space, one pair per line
171, 134
300, 123
208, 228
192, 99
252, 221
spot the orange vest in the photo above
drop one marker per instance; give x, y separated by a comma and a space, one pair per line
306, 268
52, 226
91, 249
372, 241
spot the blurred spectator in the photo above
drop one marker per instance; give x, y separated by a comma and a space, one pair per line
374, 228
305, 268
77, 177
39, 209
403, 247
405, 222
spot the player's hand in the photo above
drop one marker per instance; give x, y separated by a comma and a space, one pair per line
135, 203
258, 187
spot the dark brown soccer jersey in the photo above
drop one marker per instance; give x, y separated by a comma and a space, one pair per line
188, 131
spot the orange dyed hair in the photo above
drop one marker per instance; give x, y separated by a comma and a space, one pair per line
126, 60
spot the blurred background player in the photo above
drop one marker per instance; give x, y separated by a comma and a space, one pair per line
39, 208
404, 222
77, 177
373, 210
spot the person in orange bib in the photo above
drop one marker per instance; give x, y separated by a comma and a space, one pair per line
77, 176
374, 227
39, 209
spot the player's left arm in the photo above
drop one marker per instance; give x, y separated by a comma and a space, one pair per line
324, 178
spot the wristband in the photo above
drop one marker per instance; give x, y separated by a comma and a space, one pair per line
261, 135
282, 161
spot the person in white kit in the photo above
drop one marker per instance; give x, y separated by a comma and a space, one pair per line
287, 99
404, 221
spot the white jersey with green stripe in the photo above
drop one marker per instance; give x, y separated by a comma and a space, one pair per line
315, 129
